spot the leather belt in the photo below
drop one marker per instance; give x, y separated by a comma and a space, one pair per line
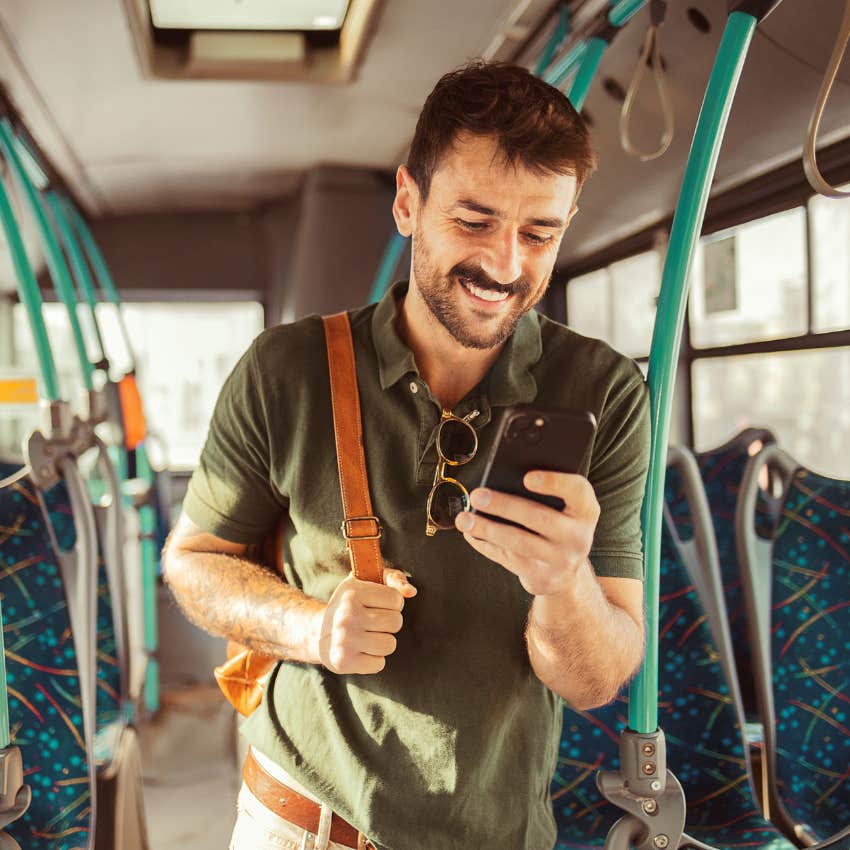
295, 808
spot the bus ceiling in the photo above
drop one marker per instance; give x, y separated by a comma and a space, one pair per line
118, 106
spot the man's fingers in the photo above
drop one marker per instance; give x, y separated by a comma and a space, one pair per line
398, 580
370, 594
575, 490
378, 620
542, 519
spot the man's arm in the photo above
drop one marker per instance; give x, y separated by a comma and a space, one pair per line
587, 642
222, 588
585, 634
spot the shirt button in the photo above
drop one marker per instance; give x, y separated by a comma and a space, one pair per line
414, 387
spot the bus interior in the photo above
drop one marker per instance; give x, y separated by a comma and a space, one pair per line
178, 176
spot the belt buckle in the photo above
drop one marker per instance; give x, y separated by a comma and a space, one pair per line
346, 533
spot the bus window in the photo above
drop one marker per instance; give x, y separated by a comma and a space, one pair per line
635, 283
830, 225
749, 283
589, 304
184, 353
784, 390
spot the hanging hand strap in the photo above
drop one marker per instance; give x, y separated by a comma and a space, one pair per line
651, 46
810, 161
361, 528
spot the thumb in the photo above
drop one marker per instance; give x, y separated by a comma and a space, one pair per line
398, 580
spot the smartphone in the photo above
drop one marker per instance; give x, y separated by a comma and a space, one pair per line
534, 437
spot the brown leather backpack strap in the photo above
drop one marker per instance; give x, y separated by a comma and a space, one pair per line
361, 528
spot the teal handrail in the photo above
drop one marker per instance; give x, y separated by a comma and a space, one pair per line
78, 264
52, 253
559, 72
586, 72
624, 11
28, 291
667, 333
389, 263
558, 36
101, 270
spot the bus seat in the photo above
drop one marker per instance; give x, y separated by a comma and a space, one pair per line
796, 588
43, 676
108, 708
699, 703
722, 469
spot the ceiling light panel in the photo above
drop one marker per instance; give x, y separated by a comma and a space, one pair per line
249, 14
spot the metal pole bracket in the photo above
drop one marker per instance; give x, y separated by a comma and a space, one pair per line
647, 791
14, 795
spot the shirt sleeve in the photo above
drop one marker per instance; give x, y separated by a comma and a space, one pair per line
618, 469
231, 493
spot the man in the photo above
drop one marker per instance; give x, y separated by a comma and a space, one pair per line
438, 728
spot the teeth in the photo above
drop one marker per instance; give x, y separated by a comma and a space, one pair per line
485, 294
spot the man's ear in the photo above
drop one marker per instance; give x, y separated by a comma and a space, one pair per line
406, 203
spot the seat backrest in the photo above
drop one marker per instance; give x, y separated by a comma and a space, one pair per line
698, 711
43, 677
798, 591
722, 471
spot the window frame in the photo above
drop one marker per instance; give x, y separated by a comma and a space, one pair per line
778, 191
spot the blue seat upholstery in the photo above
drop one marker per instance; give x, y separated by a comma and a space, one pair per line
722, 471
43, 677
108, 707
810, 653
700, 718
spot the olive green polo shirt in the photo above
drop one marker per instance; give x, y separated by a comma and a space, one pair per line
455, 742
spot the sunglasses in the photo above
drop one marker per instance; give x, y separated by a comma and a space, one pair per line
457, 444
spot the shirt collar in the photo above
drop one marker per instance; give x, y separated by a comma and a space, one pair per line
509, 381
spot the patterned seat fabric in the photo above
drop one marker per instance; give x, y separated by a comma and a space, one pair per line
722, 472
810, 650
42, 674
699, 719
108, 710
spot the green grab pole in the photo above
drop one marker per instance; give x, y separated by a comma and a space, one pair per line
104, 278
667, 333
147, 523
566, 64
558, 36
28, 291
78, 264
52, 253
101, 270
389, 262
586, 71
622, 12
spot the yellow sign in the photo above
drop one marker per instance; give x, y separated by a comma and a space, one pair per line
18, 391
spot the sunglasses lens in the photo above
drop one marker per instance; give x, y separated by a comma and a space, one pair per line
447, 501
457, 441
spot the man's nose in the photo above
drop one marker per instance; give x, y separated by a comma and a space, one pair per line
502, 260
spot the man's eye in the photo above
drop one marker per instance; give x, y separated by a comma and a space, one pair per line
471, 225
537, 239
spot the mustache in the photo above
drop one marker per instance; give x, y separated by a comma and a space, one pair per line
482, 280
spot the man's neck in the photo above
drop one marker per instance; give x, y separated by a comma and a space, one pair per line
450, 369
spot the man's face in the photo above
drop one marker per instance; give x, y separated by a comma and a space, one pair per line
486, 240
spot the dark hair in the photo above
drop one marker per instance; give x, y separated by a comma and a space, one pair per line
536, 124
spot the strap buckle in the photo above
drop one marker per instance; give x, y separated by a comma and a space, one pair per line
348, 535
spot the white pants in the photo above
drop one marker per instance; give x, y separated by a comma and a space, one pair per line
257, 828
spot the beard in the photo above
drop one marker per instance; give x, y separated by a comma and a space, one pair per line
480, 330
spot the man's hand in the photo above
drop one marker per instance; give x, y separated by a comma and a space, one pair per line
584, 634
546, 562
358, 626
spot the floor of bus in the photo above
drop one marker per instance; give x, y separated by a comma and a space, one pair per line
189, 747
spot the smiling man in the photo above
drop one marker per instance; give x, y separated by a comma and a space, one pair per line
425, 713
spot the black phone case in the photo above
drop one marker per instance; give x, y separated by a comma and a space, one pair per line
534, 437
